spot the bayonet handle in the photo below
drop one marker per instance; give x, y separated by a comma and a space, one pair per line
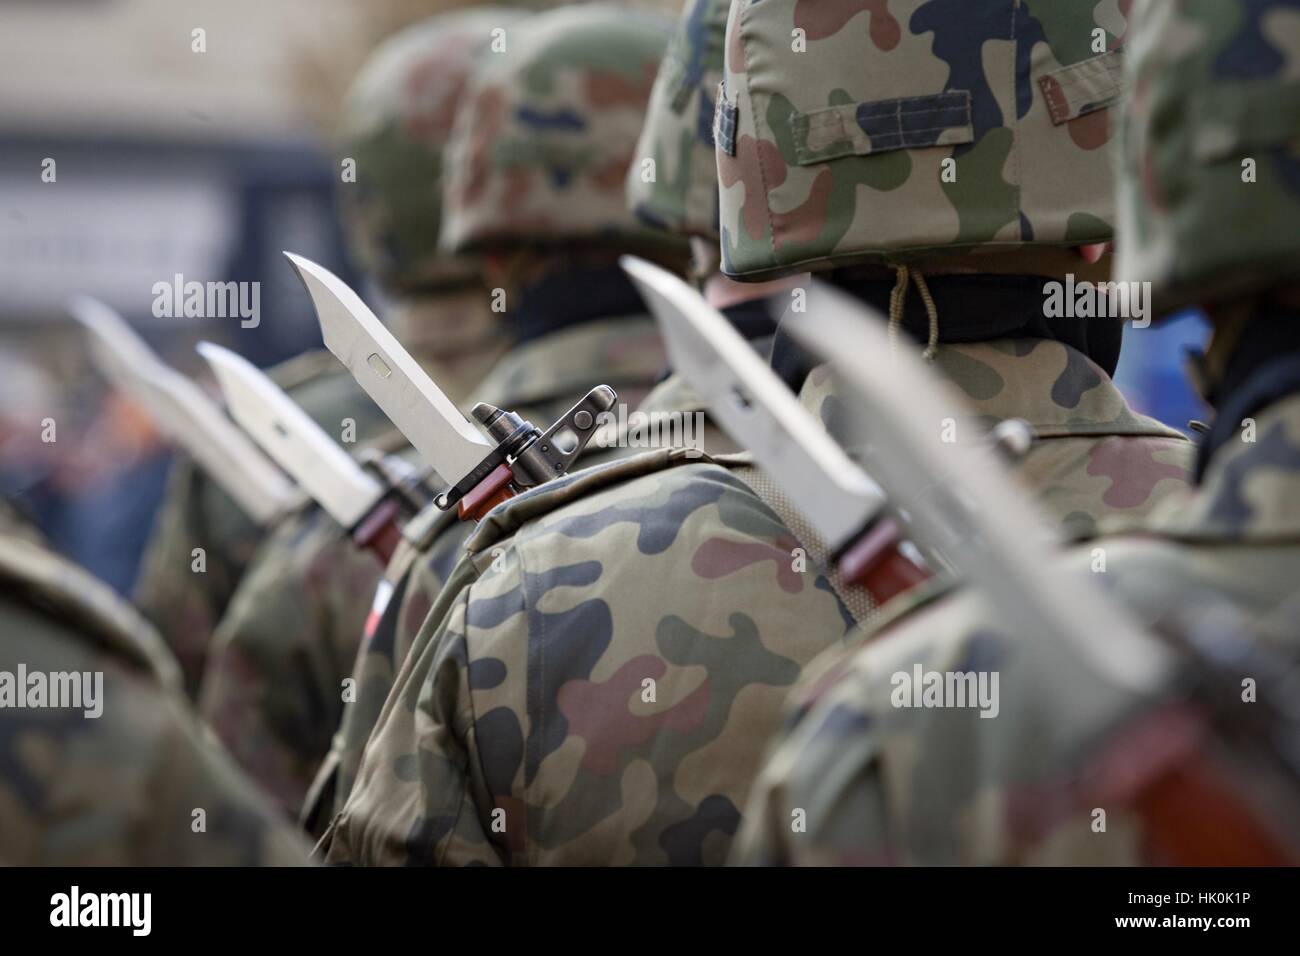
380, 531
882, 562
487, 494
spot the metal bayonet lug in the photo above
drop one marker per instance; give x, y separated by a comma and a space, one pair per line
525, 456
551, 455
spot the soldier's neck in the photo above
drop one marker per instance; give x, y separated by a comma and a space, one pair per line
565, 297
1262, 370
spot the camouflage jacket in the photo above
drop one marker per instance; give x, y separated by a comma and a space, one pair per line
117, 770
1087, 414
195, 512
274, 688
674, 415
556, 709
854, 779
1092, 458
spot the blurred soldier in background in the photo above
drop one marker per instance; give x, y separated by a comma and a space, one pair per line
273, 686
673, 185
120, 772
1072, 770
536, 168
185, 604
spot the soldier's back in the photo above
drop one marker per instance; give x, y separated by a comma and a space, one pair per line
106, 764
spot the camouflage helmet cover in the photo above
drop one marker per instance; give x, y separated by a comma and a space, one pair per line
542, 143
852, 130
397, 117
1209, 179
682, 194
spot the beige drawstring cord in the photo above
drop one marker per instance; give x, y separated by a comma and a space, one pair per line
905, 275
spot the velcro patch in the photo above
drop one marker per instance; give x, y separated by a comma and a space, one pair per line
878, 126
724, 122
1083, 87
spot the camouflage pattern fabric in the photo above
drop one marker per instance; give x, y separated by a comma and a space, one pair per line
397, 117
680, 193
273, 686
856, 779
540, 380
850, 130
1209, 137
555, 708
139, 784
882, 784
501, 613
543, 142
185, 605
1093, 458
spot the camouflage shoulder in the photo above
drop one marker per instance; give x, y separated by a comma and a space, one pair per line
53, 585
503, 521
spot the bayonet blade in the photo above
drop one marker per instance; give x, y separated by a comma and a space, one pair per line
289, 435
184, 413
958, 497
757, 409
449, 442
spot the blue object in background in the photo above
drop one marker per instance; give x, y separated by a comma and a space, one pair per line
105, 530
1152, 369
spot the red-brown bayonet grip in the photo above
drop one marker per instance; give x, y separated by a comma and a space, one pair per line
379, 531
487, 494
877, 563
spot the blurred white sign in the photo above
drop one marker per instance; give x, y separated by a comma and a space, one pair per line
112, 238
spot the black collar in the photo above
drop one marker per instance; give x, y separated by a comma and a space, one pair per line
971, 308
1265, 368
572, 296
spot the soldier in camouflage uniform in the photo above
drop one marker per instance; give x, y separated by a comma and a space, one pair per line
273, 688
596, 682
675, 195
391, 136
185, 603
948, 190
1072, 771
141, 783
673, 185
276, 690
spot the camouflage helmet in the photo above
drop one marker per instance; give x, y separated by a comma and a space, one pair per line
682, 194
860, 130
397, 116
1209, 180
546, 133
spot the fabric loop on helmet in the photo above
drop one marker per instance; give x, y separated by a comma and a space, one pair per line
905, 275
